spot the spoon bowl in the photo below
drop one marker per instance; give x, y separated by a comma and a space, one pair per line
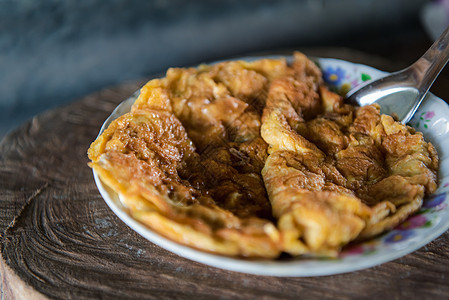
401, 93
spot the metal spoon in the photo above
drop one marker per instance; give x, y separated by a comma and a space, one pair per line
402, 92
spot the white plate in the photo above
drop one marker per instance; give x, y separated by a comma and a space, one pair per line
430, 222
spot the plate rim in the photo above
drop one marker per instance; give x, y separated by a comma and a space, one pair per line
288, 268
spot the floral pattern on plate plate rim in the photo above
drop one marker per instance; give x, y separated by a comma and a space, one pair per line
341, 77
430, 222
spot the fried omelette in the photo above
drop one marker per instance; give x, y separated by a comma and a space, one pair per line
256, 159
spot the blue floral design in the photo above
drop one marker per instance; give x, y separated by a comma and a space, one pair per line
399, 236
333, 76
434, 200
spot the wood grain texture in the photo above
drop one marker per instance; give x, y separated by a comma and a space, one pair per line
60, 240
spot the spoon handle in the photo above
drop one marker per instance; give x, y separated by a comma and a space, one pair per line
426, 69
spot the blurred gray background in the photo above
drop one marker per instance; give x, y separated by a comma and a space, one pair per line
53, 51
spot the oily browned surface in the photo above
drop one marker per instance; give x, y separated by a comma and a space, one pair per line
60, 240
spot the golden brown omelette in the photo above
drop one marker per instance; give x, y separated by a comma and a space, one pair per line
255, 159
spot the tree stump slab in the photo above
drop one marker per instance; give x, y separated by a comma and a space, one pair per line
60, 240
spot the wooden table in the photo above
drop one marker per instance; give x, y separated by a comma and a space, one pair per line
60, 240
